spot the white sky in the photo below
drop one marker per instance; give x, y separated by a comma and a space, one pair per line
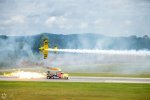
108, 17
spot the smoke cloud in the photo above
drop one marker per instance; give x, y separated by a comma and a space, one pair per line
17, 52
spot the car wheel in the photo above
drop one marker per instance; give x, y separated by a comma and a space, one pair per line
48, 77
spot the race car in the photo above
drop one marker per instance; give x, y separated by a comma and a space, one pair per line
57, 75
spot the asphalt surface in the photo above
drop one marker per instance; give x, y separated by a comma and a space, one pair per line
83, 79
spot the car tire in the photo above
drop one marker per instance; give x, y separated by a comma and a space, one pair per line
48, 77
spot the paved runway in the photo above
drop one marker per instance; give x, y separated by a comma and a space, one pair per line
83, 79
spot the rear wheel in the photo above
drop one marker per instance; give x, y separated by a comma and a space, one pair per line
67, 78
48, 77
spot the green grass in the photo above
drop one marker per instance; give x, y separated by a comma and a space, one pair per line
110, 75
74, 91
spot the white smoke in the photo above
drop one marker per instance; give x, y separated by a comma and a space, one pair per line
105, 52
100, 61
19, 54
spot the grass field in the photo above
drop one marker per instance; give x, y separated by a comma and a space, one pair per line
110, 75
73, 91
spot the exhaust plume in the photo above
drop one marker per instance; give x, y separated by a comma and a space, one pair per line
105, 52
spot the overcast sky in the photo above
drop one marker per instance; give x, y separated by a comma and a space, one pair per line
108, 17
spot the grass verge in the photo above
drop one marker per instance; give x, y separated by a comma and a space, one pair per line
110, 75
73, 91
